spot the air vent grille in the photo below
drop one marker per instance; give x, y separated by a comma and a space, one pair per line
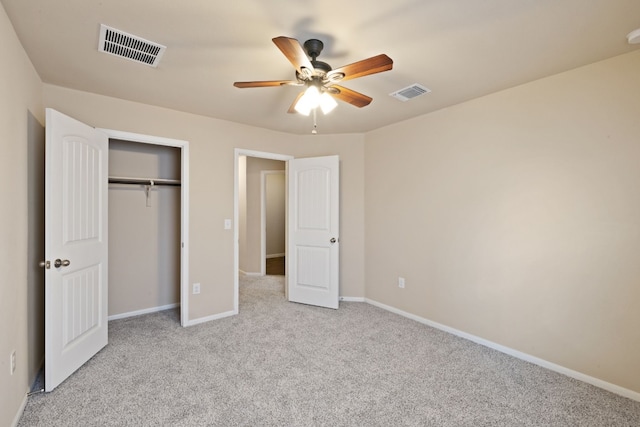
410, 92
124, 45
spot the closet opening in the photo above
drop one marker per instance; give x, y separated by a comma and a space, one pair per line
146, 227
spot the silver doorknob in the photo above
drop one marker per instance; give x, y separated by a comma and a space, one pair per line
61, 263
333, 240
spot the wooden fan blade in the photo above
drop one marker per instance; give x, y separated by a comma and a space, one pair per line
292, 108
375, 64
265, 83
351, 96
294, 53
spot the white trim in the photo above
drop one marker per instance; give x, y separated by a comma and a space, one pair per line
236, 246
143, 311
274, 256
352, 299
16, 418
630, 394
184, 204
145, 139
250, 274
212, 317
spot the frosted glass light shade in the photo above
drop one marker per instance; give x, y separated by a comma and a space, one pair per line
327, 103
634, 37
308, 101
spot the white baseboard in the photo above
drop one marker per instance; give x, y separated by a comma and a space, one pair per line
18, 415
352, 299
210, 318
630, 394
250, 274
143, 311
274, 255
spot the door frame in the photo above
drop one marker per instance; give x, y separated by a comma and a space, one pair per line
263, 215
184, 205
236, 234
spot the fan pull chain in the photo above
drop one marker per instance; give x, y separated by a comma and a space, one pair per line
315, 124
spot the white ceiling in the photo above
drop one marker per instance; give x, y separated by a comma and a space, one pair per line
460, 49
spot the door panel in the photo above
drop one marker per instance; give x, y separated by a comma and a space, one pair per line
76, 183
313, 276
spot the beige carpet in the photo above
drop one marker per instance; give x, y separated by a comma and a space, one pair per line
285, 364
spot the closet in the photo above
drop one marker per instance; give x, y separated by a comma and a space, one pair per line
144, 227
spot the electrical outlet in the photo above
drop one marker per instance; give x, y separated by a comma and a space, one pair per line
12, 364
196, 288
401, 282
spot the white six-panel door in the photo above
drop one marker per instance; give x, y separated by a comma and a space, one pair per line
313, 241
76, 168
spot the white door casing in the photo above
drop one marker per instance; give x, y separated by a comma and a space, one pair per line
313, 240
76, 168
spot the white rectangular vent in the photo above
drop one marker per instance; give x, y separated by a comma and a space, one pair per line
134, 48
410, 92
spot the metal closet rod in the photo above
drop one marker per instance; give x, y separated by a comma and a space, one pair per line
143, 181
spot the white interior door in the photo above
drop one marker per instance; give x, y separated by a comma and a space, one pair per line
313, 241
76, 182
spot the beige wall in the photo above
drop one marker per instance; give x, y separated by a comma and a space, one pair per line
250, 261
144, 235
20, 95
516, 218
275, 213
211, 168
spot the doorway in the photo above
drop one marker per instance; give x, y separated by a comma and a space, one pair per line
312, 226
250, 211
262, 209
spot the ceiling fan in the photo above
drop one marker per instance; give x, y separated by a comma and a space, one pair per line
319, 78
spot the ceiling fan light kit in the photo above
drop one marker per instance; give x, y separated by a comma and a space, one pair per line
312, 99
319, 78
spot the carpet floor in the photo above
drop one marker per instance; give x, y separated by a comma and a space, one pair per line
283, 364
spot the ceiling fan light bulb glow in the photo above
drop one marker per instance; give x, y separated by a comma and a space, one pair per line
327, 103
308, 101
302, 109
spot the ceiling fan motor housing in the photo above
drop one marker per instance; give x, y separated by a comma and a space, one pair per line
313, 48
320, 70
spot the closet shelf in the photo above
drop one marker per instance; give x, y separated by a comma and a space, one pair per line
143, 181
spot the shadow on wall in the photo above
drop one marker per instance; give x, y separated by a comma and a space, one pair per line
35, 245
